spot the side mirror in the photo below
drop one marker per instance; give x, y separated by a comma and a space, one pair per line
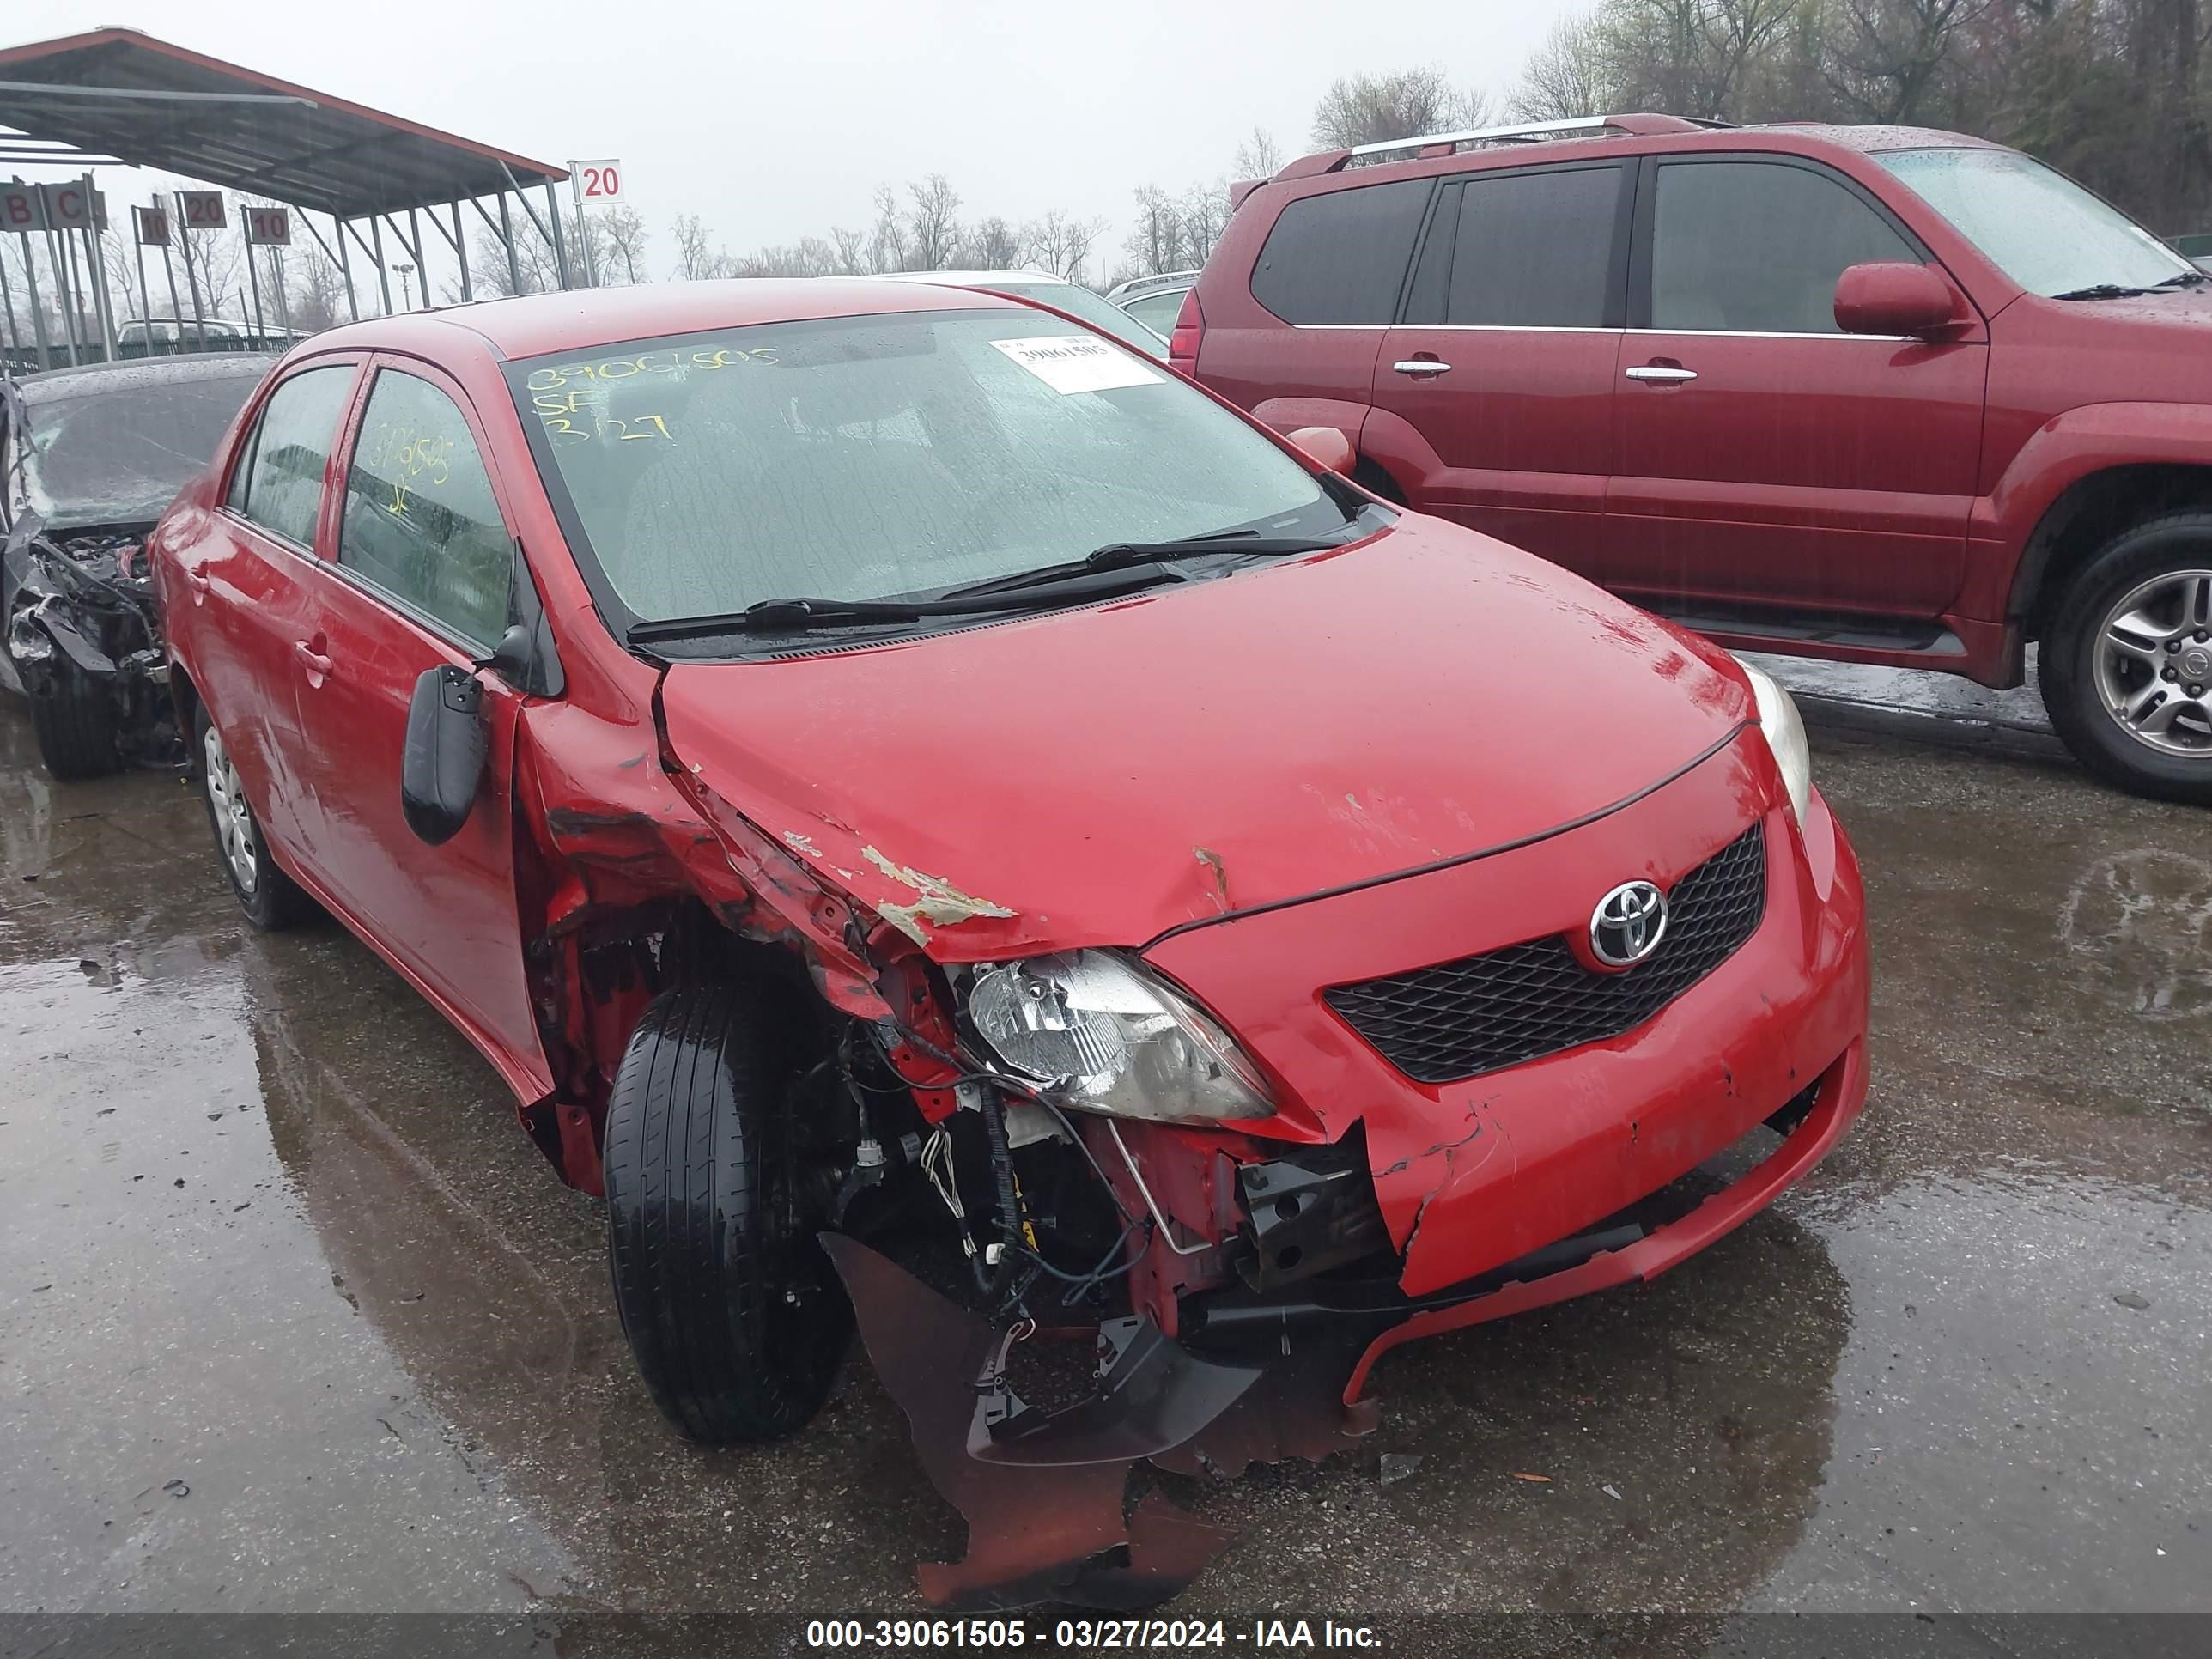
1911, 300
1327, 447
444, 761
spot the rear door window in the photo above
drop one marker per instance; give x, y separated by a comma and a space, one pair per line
1535, 250
1756, 246
1341, 258
421, 520
279, 485
1524, 250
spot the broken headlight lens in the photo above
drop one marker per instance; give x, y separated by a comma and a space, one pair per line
1785, 736
1095, 1033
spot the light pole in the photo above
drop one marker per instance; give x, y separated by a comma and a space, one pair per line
406, 291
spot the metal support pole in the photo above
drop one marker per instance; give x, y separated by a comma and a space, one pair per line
38, 306
253, 276
383, 276
422, 265
96, 255
169, 270
461, 253
145, 292
79, 340
345, 264
62, 298
583, 227
191, 276
8, 304
507, 235
559, 243
283, 294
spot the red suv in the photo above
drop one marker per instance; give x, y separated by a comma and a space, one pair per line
1871, 393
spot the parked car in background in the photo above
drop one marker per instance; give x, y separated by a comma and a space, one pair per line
186, 333
1155, 302
873, 765
88, 459
1074, 299
1874, 393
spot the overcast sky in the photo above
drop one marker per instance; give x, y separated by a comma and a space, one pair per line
774, 121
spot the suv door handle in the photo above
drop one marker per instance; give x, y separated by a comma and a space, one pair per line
317, 665
1658, 374
1422, 368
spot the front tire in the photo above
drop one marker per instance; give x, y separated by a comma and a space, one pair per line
2126, 666
75, 726
733, 1312
272, 901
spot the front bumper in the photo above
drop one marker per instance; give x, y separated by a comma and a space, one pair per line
1474, 1175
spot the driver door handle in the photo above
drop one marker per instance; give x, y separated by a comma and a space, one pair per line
313, 661
1422, 368
1659, 374
200, 581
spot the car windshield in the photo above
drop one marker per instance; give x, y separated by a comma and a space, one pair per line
2038, 226
117, 451
1079, 301
885, 455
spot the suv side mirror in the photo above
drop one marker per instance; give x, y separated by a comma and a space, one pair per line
444, 760
1912, 300
1327, 447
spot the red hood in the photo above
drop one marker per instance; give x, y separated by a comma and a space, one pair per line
1095, 777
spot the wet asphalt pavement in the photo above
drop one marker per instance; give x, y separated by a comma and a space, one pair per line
294, 1317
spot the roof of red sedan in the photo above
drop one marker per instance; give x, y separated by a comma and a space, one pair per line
582, 317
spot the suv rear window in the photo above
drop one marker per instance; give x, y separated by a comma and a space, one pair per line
1341, 258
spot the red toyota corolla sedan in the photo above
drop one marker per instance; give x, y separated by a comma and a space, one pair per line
942, 821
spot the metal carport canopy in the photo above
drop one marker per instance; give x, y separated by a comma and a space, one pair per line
118, 91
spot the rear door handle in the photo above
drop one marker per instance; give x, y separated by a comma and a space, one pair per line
1654, 375
1422, 368
317, 665
201, 581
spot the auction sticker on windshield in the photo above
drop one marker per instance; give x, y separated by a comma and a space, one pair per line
1070, 362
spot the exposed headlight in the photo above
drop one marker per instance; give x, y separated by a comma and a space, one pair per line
1097, 1034
1785, 736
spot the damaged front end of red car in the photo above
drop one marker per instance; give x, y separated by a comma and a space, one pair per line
1147, 1146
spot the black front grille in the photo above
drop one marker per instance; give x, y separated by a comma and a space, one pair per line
1480, 1014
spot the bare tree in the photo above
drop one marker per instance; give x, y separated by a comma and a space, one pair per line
489, 271
852, 247
1366, 109
620, 243
1258, 156
1567, 76
695, 260
887, 240
1884, 55
991, 244
932, 226
319, 288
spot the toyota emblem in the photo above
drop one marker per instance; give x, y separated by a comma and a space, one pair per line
1628, 924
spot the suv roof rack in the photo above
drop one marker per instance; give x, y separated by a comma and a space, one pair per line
1446, 143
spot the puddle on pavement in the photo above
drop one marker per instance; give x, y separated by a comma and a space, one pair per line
394, 1377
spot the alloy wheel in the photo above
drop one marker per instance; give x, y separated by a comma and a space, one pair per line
2154, 663
234, 820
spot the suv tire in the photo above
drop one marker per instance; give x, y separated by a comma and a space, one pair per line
732, 1309
272, 901
2158, 577
75, 726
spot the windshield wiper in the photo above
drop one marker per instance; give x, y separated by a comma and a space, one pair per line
2101, 291
796, 615
1122, 556
2185, 279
